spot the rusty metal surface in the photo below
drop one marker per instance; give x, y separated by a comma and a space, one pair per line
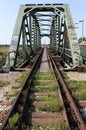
20, 99
59, 91
74, 110
19, 104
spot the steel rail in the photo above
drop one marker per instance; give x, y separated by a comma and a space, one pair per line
80, 122
24, 86
24, 117
25, 109
53, 69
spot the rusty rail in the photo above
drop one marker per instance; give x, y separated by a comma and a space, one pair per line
16, 107
79, 120
26, 86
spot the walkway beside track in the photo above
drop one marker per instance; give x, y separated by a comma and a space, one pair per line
44, 67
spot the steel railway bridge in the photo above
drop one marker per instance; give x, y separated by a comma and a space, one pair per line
35, 21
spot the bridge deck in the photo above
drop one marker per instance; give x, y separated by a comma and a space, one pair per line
44, 63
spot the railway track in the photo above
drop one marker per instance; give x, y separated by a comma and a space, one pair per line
76, 121
36, 106
15, 105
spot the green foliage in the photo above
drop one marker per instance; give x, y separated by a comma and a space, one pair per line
78, 84
2, 60
40, 77
44, 89
32, 97
58, 126
80, 39
3, 83
47, 98
43, 98
46, 83
23, 126
22, 77
77, 88
14, 91
51, 102
44, 86
3, 54
50, 106
43, 76
65, 75
24, 93
20, 56
12, 122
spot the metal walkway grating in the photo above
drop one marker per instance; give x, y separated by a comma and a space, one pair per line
44, 63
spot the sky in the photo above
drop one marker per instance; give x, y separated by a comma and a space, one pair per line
9, 10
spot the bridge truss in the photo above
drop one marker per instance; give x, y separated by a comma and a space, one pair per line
35, 21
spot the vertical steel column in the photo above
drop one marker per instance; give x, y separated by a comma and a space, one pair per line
35, 40
61, 38
30, 25
24, 40
73, 41
56, 26
65, 42
38, 38
28, 36
51, 37
59, 27
32, 33
54, 34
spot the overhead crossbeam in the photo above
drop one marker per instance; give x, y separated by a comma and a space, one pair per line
49, 14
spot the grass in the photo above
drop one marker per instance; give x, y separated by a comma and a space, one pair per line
60, 126
65, 76
32, 97
14, 91
22, 77
3, 83
3, 54
44, 86
12, 122
50, 106
43, 98
46, 103
40, 77
42, 83
78, 84
47, 98
44, 89
51, 102
43, 76
77, 88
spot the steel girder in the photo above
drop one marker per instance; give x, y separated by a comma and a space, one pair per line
37, 20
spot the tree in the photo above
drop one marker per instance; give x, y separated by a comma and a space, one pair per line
80, 39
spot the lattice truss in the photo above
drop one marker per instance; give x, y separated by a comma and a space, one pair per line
36, 21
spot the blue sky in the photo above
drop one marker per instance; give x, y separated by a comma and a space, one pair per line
9, 10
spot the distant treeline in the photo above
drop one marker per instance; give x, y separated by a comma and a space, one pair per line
4, 45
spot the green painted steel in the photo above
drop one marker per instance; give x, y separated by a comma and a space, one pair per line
35, 21
83, 52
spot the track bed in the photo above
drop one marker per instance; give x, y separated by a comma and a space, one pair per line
44, 101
